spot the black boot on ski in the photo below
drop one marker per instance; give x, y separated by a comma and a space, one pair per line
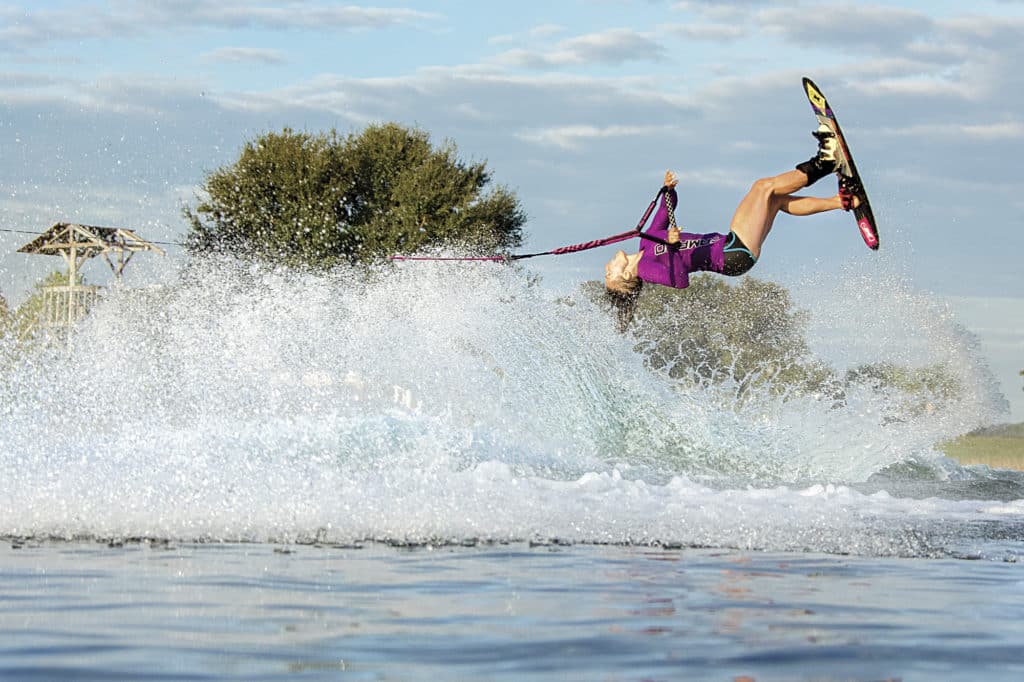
824, 162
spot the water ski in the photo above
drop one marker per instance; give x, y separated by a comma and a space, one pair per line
849, 177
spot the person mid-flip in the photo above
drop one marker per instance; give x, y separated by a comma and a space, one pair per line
671, 255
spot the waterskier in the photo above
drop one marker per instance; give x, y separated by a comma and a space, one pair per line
671, 255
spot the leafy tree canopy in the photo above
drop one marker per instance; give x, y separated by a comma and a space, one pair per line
713, 331
912, 390
320, 199
750, 333
933, 380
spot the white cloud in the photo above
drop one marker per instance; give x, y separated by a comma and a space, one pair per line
714, 177
976, 27
123, 95
921, 85
25, 29
845, 27
537, 32
246, 54
571, 137
614, 46
15, 81
719, 11
287, 15
707, 31
495, 95
546, 30
1010, 130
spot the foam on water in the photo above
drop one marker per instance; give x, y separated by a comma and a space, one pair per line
457, 403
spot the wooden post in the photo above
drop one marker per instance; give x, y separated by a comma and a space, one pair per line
72, 278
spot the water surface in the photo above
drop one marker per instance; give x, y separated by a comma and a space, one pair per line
249, 612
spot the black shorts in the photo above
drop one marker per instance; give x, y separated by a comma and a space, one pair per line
738, 258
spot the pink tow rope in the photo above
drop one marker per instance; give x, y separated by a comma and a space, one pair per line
572, 248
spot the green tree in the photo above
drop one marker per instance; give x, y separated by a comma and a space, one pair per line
714, 331
320, 199
912, 390
934, 380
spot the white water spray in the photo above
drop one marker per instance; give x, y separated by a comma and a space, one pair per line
449, 402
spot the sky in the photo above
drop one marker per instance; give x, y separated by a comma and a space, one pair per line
112, 113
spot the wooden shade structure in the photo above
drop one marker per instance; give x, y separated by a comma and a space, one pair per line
76, 243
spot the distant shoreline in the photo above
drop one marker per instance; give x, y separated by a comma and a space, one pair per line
1000, 447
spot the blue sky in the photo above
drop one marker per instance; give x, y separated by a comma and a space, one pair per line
112, 113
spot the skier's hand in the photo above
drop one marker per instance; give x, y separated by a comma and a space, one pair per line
673, 235
670, 179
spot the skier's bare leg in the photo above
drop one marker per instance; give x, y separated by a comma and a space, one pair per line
756, 212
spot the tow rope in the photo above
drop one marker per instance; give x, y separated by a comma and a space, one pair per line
572, 248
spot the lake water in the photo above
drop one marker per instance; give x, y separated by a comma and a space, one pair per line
253, 474
255, 612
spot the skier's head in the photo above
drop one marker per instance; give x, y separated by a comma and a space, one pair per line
620, 273
622, 286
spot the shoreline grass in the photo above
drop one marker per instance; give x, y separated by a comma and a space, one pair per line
998, 452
